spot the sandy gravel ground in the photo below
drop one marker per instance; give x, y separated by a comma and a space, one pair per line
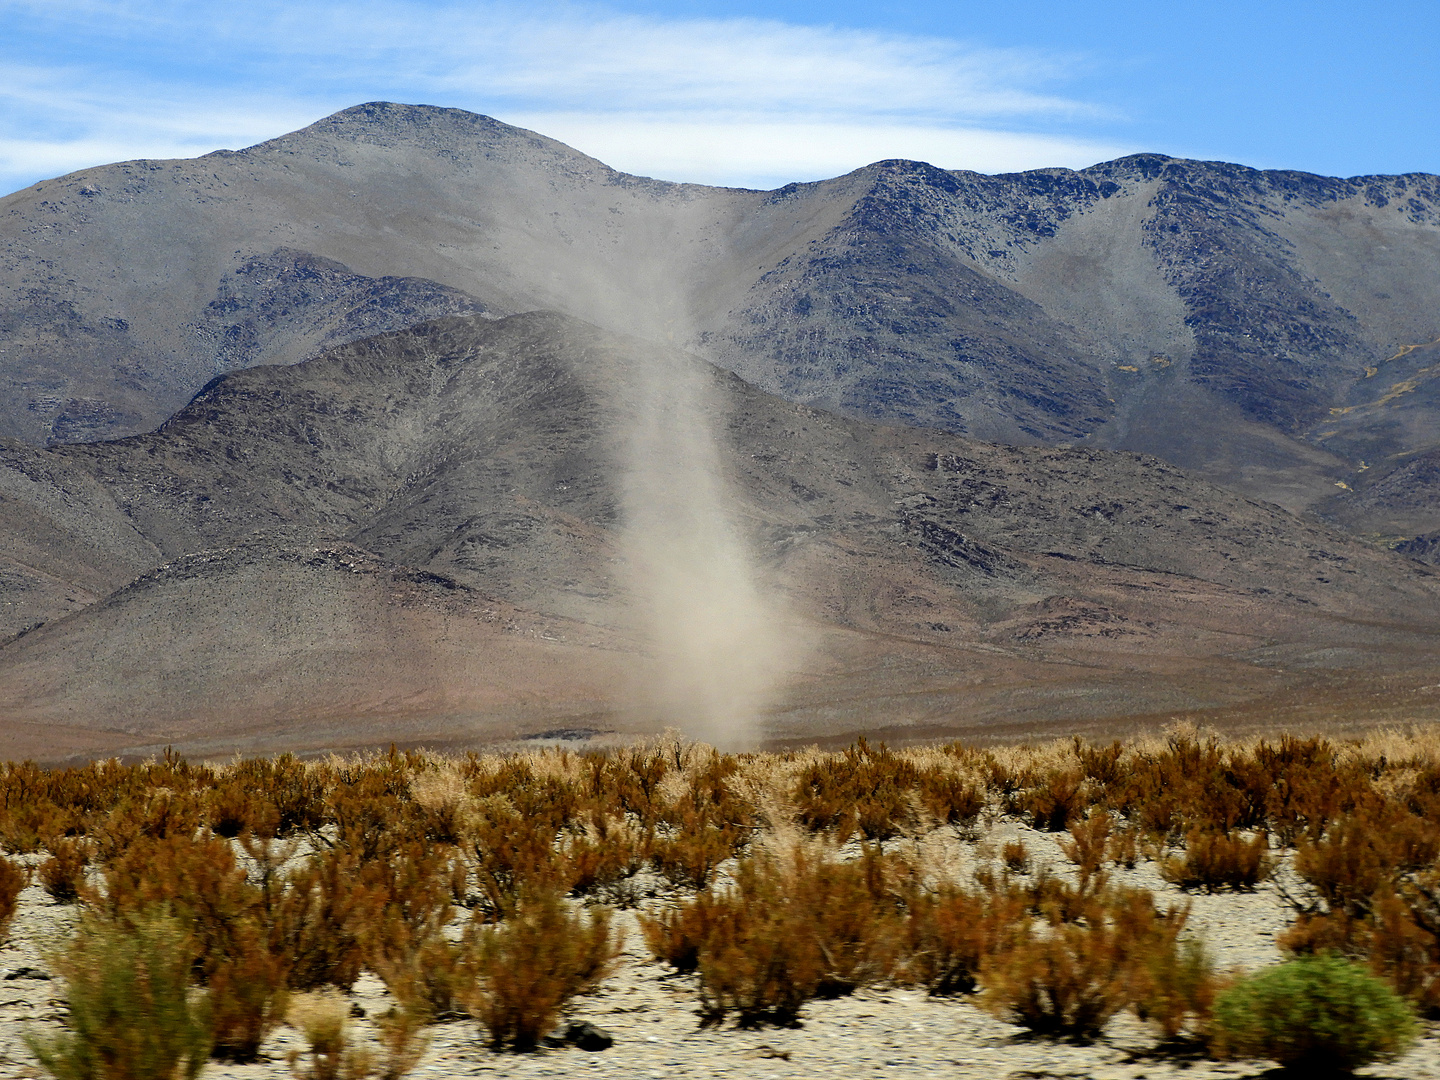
652, 1013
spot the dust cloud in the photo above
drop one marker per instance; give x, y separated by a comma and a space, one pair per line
715, 628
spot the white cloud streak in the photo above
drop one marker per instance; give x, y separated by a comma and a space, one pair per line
739, 101
770, 153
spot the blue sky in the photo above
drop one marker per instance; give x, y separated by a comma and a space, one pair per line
746, 93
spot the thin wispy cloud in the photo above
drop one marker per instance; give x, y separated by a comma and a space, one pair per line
741, 101
764, 67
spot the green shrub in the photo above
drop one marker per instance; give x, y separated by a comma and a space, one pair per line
132, 1014
1322, 1014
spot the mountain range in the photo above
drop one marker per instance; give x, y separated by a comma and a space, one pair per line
318, 444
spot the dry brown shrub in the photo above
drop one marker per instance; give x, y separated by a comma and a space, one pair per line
1172, 978
608, 851
248, 993
157, 814
323, 1019
1316, 932
787, 931
428, 975
1062, 982
38, 805
1089, 841
865, 789
1163, 790
677, 934
62, 875
706, 823
1174, 988
1399, 936
24, 828
288, 795
1058, 900
232, 808
1123, 849
1403, 943
402, 1034
526, 967
1051, 803
950, 798
1309, 784
195, 877
370, 820
1189, 782
1361, 855
408, 907
1361, 817
26, 810
1217, 861
950, 932
409, 889
319, 917
1289, 787
1100, 764
1016, 856
441, 797
13, 879
1068, 976
636, 780
513, 851
689, 853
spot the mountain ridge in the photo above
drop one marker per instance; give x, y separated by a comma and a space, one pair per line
1276, 310
417, 536
346, 419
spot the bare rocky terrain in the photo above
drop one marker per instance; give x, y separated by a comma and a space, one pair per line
416, 537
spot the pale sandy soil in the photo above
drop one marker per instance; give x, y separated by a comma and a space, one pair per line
652, 1013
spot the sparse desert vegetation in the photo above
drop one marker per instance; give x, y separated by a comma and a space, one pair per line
223, 913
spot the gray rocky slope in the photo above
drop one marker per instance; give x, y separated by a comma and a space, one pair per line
415, 536
1274, 331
